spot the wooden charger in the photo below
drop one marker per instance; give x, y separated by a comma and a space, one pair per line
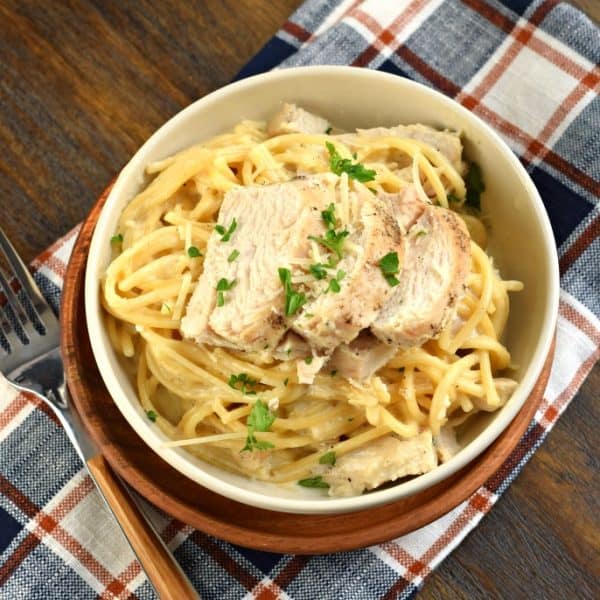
216, 515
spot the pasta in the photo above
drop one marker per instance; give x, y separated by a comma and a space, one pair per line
202, 396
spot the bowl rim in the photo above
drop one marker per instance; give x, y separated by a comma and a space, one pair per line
177, 458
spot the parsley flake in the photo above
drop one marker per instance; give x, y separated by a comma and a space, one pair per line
117, 239
244, 381
223, 286
328, 216
233, 256
339, 165
389, 268
313, 482
328, 458
151, 415
293, 300
286, 381
334, 284
475, 187
193, 252
226, 233
259, 419
329, 130
308, 360
332, 241
318, 270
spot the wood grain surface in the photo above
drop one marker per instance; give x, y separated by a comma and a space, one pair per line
83, 83
251, 527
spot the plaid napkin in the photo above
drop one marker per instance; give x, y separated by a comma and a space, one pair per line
527, 68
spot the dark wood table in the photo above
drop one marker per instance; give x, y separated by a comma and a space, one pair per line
84, 83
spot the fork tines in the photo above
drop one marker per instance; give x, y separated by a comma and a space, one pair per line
25, 316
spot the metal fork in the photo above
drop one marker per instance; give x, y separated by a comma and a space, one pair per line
31, 362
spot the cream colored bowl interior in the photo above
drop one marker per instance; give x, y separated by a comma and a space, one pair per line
521, 243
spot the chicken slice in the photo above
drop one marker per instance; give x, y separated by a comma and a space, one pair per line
406, 206
385, 459
361, 358
291, 347
436, 263
504, 388
448, 143
330, 319
293, 119
306, 371
273, 225
445, 444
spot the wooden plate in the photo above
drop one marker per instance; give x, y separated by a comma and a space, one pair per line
252, 527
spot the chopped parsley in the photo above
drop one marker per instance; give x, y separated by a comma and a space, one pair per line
333, 373
421, 232
334, 286
332, 241
233, 256
117, 239
308, 360
151, 415
293, 300
259, 419
389, 267
329, 130
475, 187
286, 381
318, 270
313, 482
223, 286
193, 252
244, 382
452, 198
328, 458
329, 216
226, 233
334, 283
339, 165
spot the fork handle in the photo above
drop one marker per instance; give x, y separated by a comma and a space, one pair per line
163, 571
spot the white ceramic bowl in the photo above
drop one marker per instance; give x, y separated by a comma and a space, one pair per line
521, 242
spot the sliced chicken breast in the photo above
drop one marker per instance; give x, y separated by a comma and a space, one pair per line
436, 263
333, 318
361, 358
293, 119
273, 225
292, 347
445, 444
385, 459
448, 143
307, 368
405, 206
